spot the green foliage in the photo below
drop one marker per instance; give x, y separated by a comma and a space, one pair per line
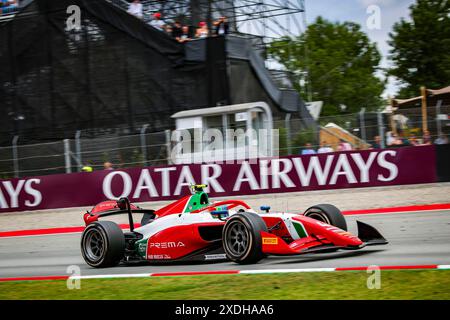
421, 47
341, 61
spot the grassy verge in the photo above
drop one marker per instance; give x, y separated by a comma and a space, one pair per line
404, 284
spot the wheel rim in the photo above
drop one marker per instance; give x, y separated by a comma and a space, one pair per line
237, 238
317, 215
94, 245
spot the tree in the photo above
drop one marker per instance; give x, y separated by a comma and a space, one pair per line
340, 61
421, 47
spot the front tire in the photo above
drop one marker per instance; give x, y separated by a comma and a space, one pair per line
327, 213
102, 244
241, 238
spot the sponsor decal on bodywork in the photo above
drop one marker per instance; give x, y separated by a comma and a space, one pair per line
215, 256
158, 257
270, 240
166, 245
336, 230
300, 229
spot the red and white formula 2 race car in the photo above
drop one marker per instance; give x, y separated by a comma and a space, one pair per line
193, 228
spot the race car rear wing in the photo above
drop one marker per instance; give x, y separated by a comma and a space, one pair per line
124, 208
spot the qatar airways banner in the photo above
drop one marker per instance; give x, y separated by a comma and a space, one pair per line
351, 169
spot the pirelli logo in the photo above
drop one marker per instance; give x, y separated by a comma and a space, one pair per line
270, 240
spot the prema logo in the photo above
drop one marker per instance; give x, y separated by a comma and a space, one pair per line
165, 245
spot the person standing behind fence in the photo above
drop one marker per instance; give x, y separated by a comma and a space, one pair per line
404, 142
426, 139
202, 31
158, 22
185, 36
442, 139
325, 148
177, 30
135, 9
221, 26
308, 150
108, 166
413, 141
389, 138
376, 143
344, 146
8, 6
87, 167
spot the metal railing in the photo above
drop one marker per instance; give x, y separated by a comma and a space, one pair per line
150, 149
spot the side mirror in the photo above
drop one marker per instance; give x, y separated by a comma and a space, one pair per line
222, 214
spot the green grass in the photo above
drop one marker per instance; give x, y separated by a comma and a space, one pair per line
404, 284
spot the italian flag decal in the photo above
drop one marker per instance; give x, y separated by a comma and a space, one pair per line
301, 231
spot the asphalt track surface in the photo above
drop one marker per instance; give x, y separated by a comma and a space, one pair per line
416, 238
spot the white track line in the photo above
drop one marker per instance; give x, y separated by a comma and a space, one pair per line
287, 270
266, 271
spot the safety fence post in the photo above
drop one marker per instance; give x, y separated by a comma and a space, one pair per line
381, 129
78, 150
67, 155
363, 124
144, 143
168, 146
15, 156
287, 124
438, 119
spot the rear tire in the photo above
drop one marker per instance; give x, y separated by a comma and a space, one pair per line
103, 244
241, 238
327, 213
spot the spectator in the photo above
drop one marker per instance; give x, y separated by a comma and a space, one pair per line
108, 166
168, 29
390, 138
325, 148
184, 35
442, 139
87, 167
377, 142
400, 141
8, 6
135, 9
308, 149
202, 31
413, 141
395, 141
344, 146
157, 22
426, 139
404, 141
177, 30
221, 26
